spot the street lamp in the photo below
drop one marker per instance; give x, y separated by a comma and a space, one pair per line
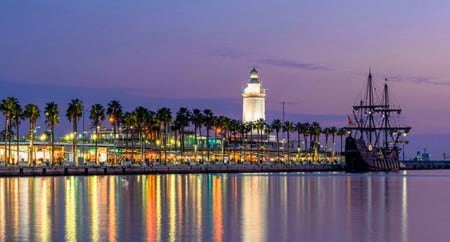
112, 120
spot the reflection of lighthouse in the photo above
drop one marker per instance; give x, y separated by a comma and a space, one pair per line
253, 99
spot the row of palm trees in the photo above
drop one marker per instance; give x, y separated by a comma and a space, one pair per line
142, 126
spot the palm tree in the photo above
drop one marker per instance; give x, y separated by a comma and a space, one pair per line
175, 128
288, 127
250, 126
268, 130
7, 106
164, 115
259, 126
242, 129
32, 113
341, 132
326, 131
182, 118
315, 133
73, 113
208, 121
97, 115
224, 127
276, 125
333, 131
52, 119
234, 130
17, 116
115, 113
152, 127
298, 127
197, 121
142, 115
306, 131
129, 121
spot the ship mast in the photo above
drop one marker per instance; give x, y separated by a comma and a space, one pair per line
373, 118
386, 114
367, 108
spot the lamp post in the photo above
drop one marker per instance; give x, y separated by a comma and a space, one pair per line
112, 120
32, 150
223, 149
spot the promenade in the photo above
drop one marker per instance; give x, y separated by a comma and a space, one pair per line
83, 170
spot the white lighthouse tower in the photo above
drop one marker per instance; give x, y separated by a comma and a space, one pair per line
253, 99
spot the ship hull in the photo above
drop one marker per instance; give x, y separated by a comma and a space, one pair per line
359, 158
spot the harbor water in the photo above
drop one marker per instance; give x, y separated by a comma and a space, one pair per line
327, 206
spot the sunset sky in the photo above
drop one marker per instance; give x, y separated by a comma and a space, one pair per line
314, 55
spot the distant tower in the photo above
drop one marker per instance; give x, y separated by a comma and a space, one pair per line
253, 99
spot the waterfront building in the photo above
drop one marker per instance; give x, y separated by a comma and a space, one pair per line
253, 99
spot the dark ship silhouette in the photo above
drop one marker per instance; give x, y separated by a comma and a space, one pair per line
374, 136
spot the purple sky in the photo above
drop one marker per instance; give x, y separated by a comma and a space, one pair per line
314, 55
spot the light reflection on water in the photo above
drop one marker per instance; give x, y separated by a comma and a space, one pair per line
228, 207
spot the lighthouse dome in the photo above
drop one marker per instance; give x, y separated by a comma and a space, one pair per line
254, 78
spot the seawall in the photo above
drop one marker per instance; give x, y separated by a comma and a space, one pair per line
425, 165
11, 171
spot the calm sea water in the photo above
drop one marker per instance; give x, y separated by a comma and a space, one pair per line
408, 206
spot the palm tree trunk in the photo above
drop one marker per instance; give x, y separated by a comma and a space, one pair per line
207, 144
251, 148
30, 155
6, 139
114, 142
17, 140
96, 144
52, 158
278, 148
9, 144
165, 142
196, 143
142, 147
182, 141
74, 142
200, 134
288, 146
132, 147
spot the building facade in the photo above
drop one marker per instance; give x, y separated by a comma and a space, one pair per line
253, 99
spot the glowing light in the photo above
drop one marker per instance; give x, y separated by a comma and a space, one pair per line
93, 137
71, 208
93, 186
43, 137
253, 100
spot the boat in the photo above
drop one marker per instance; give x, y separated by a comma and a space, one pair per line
374, 133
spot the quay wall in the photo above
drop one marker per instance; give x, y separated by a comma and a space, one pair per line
425, 165
11, 171
83, 170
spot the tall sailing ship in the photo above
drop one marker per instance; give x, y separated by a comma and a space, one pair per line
374, 139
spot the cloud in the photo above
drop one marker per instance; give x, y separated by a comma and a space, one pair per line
231, 53
293, 64
418, 80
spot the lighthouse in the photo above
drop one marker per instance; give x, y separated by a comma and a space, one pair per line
253, 99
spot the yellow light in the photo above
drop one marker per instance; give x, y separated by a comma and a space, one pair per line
43, 137
94, 137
